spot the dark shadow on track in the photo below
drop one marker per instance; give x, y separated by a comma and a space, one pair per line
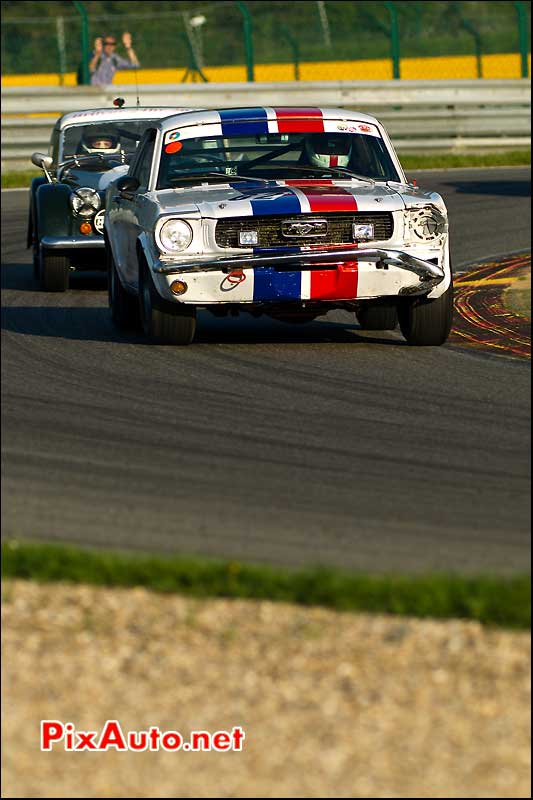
19, 277
94, 325
518, 188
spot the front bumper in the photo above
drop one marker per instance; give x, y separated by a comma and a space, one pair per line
72, 242
428, 273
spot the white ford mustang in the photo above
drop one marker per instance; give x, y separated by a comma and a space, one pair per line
288, 212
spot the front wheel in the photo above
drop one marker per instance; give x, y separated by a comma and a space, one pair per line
162, 321
33, 238
124, 307
426, 322
54, 272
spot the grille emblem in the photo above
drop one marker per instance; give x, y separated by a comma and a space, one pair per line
298, 228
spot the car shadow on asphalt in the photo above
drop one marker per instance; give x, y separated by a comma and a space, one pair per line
58, 318
503, 188
19, 277
94, 324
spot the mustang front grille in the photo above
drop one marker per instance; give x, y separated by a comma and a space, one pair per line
269, 229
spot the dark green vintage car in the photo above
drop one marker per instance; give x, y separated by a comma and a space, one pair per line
88, 150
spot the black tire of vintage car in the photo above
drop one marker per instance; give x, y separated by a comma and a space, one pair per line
124, 306
32, 236
52, 211
163, 322
425, 322
55, 271
377, 317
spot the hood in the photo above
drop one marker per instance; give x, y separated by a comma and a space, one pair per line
93, 178
246, 198
76, 178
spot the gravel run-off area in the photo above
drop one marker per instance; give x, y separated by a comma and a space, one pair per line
333, 704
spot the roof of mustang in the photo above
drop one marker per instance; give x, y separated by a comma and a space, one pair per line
264, 119
114, 114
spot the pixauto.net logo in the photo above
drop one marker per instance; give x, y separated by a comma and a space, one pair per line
112, 737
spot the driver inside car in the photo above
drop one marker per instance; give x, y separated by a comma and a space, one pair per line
99, 142
327, 150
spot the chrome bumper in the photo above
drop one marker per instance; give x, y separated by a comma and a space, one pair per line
429, 274
64, 242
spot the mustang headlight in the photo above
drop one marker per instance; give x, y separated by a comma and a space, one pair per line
175, 235
427, 223
85, 202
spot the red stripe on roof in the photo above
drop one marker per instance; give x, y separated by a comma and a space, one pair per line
335, 284
299, 120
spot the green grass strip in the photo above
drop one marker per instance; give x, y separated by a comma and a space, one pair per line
14, 180
20, 179
513, 158
491, 600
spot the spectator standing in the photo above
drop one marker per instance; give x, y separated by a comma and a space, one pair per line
105, 62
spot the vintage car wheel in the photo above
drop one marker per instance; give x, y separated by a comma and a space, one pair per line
377, 318
36, 261
124, 307
32, 236
426, 322
54, 271
164, 322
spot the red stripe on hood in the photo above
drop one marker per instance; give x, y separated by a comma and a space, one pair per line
311, 182
329, 198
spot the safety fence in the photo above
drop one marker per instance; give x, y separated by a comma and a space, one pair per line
420, 115
52, 42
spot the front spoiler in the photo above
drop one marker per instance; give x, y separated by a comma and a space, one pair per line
429, 274
68, 242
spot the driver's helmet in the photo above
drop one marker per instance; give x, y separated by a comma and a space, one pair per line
94, 141
329, 149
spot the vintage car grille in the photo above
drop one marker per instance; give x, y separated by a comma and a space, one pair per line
270, 235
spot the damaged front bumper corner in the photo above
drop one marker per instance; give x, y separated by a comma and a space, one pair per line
429, 274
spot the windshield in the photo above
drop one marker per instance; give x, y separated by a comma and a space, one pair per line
115, 140
276, 156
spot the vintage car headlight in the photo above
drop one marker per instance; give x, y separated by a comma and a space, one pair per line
85, 202
427, 223
175, 235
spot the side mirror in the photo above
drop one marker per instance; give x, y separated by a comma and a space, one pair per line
127, 184
41, 160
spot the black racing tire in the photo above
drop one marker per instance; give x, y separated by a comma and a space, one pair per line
54, 271
425, 322
36, 256
36, 262
124, 306
162, 321
377, 317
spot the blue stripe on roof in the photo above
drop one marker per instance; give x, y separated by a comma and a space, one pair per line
244, 121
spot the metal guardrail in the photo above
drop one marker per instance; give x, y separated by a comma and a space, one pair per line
419, 115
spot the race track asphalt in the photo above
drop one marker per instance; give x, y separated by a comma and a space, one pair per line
269, 442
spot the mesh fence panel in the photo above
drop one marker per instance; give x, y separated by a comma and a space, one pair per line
303, 40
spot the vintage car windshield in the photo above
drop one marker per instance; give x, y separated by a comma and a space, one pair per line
118, 139
276, 156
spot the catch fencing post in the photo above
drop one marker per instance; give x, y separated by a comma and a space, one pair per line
521, 14
248, 40
84, 72
394, 37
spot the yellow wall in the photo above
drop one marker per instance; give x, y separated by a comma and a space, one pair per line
504, 65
